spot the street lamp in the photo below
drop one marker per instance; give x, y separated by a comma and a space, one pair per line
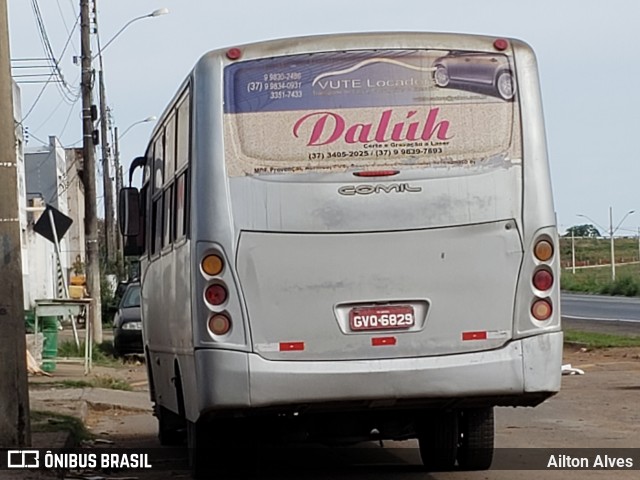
117, 139
152, 118
612, 231
155, 13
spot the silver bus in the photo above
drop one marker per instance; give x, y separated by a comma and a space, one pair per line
349, 237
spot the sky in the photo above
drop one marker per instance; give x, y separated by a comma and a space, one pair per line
586, 50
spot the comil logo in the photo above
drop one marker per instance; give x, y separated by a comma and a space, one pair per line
367, 189
23, 459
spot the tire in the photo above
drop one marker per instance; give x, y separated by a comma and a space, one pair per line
438, 437
200, 451
477, 439
215, 446
441, 76
505, 85
171, 427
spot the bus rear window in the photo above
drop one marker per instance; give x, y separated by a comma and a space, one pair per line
340, 111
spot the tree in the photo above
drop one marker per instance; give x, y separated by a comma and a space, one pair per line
586, 230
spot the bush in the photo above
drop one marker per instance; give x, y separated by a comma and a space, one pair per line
102, 353
626, 286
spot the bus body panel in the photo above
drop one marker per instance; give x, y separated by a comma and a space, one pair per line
406, 201
302, 288
300, 253
497, 377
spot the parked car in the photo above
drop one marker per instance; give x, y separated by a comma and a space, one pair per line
127, 322
476, 72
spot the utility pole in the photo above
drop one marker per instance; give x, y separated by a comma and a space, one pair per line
14, 393
118, 173
613, 254
107, 185
109, 230
573, 251
91, 219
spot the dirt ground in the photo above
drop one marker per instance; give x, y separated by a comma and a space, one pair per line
600, 358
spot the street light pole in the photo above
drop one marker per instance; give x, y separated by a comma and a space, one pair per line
112, 241
573, 252
155, 13
612, 231
613, 253
107, 184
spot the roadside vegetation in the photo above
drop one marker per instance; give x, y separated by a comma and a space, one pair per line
99, 381
593, 266
101, 354
45, 421
600, 340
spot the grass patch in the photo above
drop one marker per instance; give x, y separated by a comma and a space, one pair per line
595, 253
45, 421
598, 280
101, 354
100, 381
600, 340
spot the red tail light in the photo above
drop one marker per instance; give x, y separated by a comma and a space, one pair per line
543, 280
216, 294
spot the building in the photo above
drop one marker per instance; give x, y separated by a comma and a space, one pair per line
53, 177
22, 192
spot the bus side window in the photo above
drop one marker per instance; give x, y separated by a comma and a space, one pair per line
156, 195
180, 204
181, 188
158, 164
156, 225
168, 234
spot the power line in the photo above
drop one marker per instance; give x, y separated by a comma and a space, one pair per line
64, 88
75, 49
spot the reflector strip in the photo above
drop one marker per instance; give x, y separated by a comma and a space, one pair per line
380, 341
474, 336
291, 346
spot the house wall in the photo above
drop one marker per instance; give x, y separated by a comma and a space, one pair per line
47, 183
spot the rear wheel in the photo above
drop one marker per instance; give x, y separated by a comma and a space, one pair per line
477, 439
214, 447
171, 427
438, 436
201, 449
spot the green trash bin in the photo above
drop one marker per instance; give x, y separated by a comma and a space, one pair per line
30, 321
50, 347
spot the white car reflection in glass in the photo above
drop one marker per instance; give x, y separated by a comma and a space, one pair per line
485, 73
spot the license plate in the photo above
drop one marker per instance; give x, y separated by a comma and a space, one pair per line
390, 317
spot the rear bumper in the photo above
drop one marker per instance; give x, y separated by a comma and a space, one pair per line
524, 372
127, 341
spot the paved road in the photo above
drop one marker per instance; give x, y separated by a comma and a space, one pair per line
601, 313
593, 412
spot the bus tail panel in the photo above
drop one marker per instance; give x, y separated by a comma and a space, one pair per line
380, 294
